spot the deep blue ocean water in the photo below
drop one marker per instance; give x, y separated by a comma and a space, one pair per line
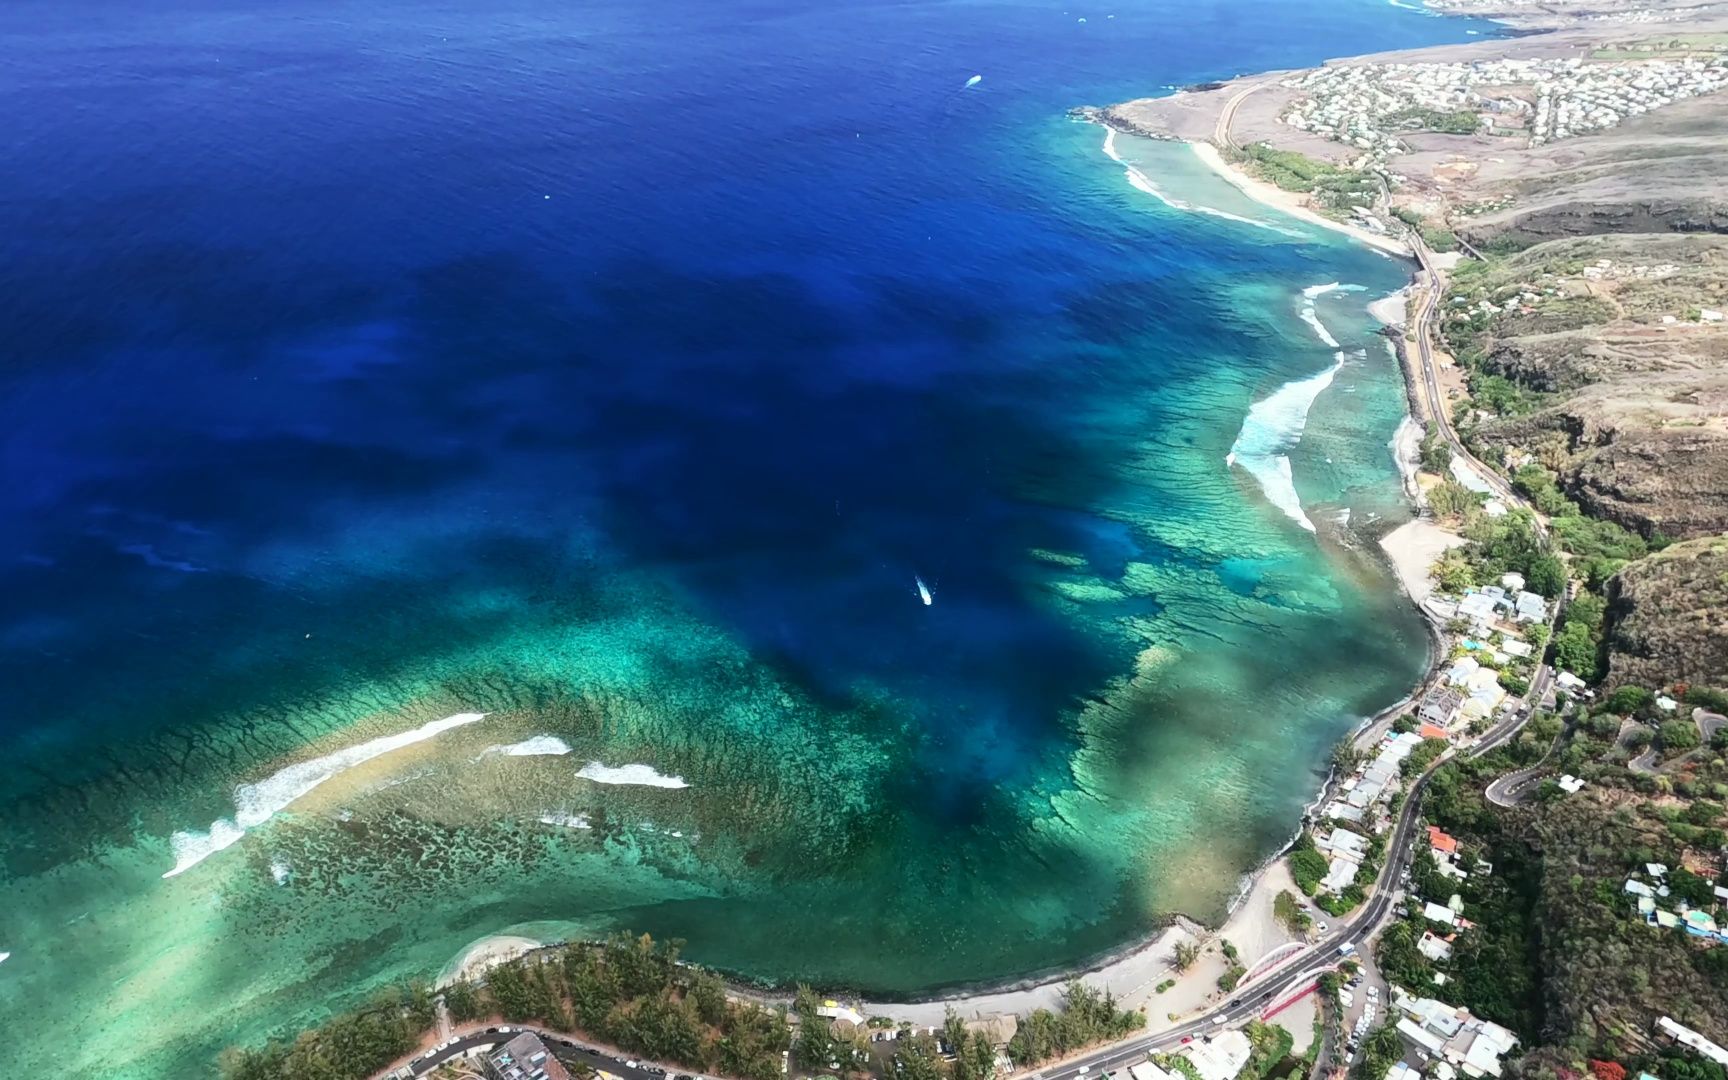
616, 369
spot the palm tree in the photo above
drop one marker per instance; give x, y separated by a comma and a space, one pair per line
1186, 953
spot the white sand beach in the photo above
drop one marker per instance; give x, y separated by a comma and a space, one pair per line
1392, 310
486, 953
1413, 547
1292, 203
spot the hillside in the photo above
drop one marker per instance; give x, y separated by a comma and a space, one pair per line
1605, 360
1667, 618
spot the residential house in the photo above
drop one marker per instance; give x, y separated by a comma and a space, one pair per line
1440, 706
1343, 842
1439, 913
1147, 1070
1687, 1037
1223, 1057
1340, 875
1530, 608
1434, 947
524, 1057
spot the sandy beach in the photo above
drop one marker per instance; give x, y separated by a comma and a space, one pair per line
1134, 978
1292, 203
486, 953
1413, 547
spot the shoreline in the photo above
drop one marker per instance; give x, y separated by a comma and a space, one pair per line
1292, 204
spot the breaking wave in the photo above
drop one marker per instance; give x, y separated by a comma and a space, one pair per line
538, 746
254, 804
1271, 430
1142, 182
641, 775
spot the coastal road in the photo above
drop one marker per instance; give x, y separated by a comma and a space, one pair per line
1249, 1003
1427, 329
1252, 1002
1227, 116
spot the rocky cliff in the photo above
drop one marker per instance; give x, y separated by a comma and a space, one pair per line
1668, 617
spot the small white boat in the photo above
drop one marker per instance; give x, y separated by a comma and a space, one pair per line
923, 590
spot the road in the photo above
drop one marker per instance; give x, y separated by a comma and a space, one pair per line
1253, 1001
1227, 116
1709, 723
1426, 331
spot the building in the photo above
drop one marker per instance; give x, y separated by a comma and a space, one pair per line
1341, 875
1223, 1057
1147, 1070
1441, 842
1530, 608
1514, 647
1512, 582
1687, 1037
1343, 842
524, 1057
1440, 706
1433, 947
1451, 1034
833, 1010
1439, 913
1570, 784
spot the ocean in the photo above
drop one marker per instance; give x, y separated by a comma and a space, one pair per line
697, 468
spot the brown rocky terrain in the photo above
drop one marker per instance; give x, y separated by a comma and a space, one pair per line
1628, 379
1668, 617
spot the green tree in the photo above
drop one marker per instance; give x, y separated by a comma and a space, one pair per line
1546, 576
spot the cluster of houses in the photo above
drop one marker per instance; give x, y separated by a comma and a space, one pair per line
1654, 907
1360, 801
1447, 1039
1369, 105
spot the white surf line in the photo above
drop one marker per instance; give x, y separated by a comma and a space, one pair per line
1141, 182
538, 746
1272, 428
638, 775
567, 821
254, 804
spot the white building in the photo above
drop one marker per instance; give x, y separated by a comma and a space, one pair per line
1223, 1057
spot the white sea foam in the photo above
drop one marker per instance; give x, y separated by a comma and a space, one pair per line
640, 775
538, 746
566, 821
254, 804
1311, 294
1141, 182
5, 956
1271, 430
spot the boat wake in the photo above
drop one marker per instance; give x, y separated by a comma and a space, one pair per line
254, 804
1272, 429
1144, 183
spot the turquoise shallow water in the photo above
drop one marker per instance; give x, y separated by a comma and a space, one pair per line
450, 381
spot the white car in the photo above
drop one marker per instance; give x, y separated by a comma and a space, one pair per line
1373, 992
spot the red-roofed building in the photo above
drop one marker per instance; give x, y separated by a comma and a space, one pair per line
1441, 842
1431, 731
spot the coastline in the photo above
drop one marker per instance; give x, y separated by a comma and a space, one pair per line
1291, 203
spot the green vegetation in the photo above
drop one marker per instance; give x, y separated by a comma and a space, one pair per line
630, 992
1379, 1052
346, 1047
1307, 866
1290, 912
1578, 645
1335, 189
1087, 1017
1269, 1044
1444, 121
